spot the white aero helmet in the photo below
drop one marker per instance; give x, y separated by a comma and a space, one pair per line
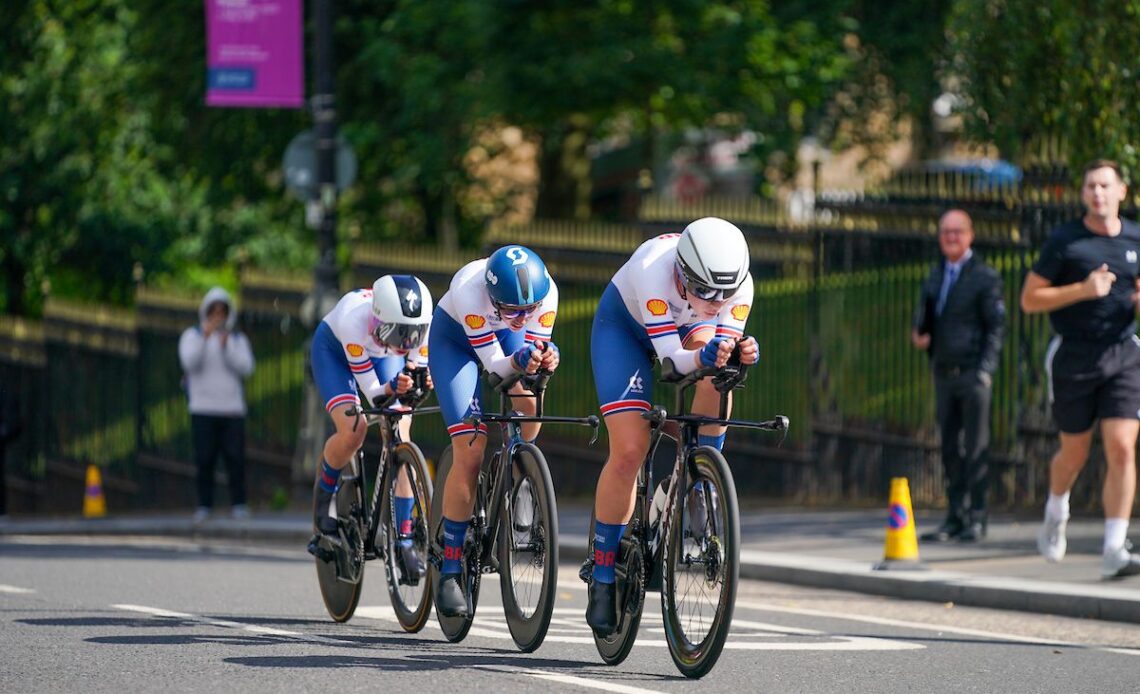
712, 257
401, 311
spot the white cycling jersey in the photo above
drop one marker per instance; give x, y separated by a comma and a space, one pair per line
349, 321
648, 287
469, 304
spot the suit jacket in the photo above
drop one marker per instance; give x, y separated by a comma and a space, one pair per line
968, 333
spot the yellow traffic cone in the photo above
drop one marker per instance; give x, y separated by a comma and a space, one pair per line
900, 550
94, 504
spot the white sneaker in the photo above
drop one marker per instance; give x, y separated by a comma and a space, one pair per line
1120, 563
1051, 542
201, 514
240, 512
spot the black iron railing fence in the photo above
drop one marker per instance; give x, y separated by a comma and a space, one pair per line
832, 313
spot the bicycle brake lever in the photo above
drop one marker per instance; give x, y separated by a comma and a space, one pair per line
783, 426
353, 412
592, 420
475, 422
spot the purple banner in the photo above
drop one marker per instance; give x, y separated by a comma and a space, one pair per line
254, 53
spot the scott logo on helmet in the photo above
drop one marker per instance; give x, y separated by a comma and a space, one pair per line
517, 255
491, 277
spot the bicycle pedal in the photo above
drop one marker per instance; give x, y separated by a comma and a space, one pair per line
317, 549
406, 580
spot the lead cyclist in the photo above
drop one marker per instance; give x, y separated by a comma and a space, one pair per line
685, 296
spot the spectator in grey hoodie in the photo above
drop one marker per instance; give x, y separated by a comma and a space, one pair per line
216, 359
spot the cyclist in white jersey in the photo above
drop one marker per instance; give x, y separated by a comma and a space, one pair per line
682, 296
362, 347
497, 315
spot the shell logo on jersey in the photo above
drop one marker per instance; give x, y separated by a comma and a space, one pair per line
423, 351
740, 311
657, 307
354, 350
546, 320
475, 322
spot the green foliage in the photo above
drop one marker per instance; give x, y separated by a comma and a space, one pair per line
1031, 71
642, 69
109, 160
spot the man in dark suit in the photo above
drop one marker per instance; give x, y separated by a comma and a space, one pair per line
960, 320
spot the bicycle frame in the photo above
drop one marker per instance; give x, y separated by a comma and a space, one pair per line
725, 380
487, 510
387, 418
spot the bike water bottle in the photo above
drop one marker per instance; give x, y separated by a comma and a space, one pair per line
658, 505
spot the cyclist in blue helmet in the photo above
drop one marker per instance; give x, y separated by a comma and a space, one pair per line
498, 314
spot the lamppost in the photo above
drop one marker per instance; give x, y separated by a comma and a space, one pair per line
326, 288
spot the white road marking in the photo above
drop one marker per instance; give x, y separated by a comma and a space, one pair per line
569, 679
252, 628
153, 611
17, 590
495, 627
925, 626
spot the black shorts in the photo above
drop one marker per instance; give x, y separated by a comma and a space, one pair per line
1089, 381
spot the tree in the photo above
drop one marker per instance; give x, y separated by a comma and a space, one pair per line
1034, 71
573, 72
60, 104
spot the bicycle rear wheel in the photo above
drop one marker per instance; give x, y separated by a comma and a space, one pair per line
702, 564
454, 628
342, 578
630, 573
528, 549
410, 593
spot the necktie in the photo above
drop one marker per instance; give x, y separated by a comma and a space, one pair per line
947, 283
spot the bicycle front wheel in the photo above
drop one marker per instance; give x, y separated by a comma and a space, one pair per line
528, 549
409, 591
702, 564
454, 628
342, 578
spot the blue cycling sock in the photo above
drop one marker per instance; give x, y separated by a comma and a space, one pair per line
453, 534
716, 442
329, 477
607, 537
403, 506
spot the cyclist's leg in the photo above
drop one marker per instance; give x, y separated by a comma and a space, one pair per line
623, 376
455, 372
706, 401
402, 501
338, 390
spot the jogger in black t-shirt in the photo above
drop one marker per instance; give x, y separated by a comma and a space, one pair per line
1087, 280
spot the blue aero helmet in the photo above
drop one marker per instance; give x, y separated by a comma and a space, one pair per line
516, 277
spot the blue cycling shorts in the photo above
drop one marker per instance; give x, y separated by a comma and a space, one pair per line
455, 369
334, 379
622, 355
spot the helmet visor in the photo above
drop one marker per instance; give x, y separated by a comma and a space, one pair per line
401, 336
701, 290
